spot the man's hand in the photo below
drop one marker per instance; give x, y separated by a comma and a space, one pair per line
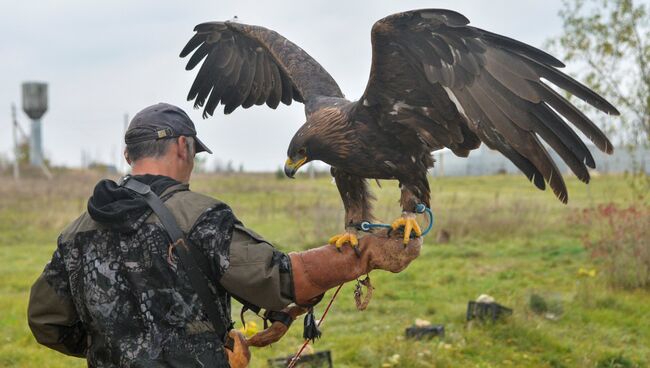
239, 356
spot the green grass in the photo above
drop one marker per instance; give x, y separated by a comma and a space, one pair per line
508, 240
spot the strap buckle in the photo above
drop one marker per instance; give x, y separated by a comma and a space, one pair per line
282, 317
136, 186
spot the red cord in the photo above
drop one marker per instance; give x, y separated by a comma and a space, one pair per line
294, 360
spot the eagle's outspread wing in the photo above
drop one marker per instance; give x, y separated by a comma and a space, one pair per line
437, 82
249, 65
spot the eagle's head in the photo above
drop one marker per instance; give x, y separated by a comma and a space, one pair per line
323, 137
302, 149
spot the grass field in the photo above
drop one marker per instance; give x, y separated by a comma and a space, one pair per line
508, 240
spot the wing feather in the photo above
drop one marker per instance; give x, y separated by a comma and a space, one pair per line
542, 121
575, 88
265, 80
577, 118
276, 91
495, 140
198, 56
526, 143
287, 90
250, 94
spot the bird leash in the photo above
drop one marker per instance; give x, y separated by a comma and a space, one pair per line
312, 331
419, 208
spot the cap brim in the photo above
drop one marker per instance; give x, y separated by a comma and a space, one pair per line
200, 146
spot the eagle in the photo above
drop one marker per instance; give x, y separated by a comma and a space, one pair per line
435, 82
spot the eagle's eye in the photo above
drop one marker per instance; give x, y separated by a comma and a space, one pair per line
302, 152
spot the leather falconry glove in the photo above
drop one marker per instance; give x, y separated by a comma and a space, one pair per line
277, 329
317, 270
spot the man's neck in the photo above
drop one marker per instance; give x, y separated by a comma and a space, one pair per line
154, 167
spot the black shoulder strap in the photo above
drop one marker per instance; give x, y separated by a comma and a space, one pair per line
188, 256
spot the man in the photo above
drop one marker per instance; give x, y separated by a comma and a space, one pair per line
116, 291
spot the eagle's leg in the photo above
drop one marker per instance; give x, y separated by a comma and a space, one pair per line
356, 198
412, 195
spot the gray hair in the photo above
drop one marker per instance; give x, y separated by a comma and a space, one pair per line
156, 148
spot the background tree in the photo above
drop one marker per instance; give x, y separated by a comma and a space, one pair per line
608, 41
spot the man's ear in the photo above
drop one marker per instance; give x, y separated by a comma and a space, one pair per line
126, 157
182, 148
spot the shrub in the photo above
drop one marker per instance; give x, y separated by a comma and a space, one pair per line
620, 239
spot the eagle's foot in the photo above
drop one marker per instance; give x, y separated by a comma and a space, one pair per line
349, 236
408, 222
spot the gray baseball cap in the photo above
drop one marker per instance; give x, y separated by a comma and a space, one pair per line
162, 121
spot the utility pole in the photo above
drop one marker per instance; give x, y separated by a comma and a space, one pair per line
16, 148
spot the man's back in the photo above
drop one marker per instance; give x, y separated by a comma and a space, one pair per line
135, 303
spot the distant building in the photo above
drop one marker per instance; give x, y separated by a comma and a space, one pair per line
485, 161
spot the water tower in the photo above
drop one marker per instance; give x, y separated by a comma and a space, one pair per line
35, 106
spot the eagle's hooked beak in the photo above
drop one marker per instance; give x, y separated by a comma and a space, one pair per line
291, 167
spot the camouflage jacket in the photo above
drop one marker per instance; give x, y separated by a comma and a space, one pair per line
115, 293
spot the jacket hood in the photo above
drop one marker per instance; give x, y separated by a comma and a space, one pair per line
121, 209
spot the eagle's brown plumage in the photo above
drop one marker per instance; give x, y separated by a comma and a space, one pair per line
435, 82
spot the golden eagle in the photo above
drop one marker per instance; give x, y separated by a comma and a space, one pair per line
434, 82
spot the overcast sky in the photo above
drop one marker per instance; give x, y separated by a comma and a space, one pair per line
104, 59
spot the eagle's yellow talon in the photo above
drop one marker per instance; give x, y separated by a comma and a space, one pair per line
397, 223
353, 240
341, 239
407, 231
416, 228
410, 225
